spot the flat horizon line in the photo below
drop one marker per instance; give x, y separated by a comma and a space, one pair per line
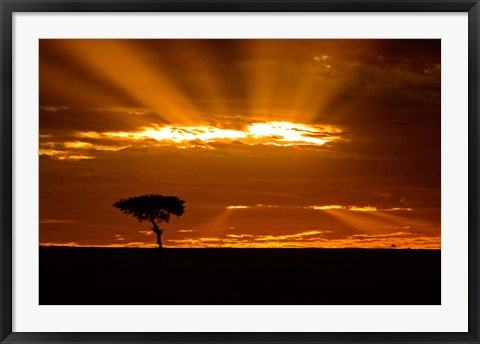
250, 248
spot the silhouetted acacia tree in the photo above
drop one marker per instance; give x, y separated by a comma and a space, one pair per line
153, 208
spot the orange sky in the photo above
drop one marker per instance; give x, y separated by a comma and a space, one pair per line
271, 143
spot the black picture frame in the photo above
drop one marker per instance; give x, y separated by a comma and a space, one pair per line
9, 7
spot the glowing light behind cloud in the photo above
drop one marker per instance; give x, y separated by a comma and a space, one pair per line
63, 155
269, 133
291, 133
312, 239
324, 207
179, 134
355, 208
307, 239
281, 134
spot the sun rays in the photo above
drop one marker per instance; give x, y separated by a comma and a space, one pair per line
145, 74
121, 64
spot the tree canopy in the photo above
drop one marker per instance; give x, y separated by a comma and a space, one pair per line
151, 207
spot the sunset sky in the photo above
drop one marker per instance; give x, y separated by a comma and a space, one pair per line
271, 143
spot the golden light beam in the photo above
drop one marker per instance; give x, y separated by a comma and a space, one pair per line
121, 62
265, 71
205, 75
393, 218
358, 220
325, 74
217, 222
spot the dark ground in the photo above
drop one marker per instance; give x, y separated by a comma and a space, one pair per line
131, 276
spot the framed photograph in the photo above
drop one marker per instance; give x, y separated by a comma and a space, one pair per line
239, 172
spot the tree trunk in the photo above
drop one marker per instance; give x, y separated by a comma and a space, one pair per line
159, 240
158, 232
